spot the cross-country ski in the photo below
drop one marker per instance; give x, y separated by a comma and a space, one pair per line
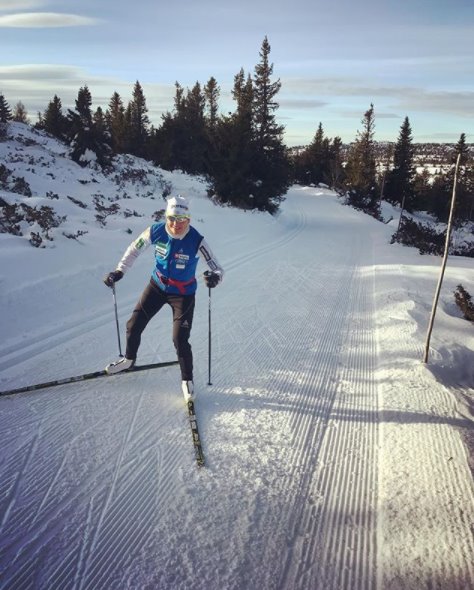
85, 377
199, 454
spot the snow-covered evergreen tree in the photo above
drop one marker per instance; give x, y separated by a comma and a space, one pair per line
89, 143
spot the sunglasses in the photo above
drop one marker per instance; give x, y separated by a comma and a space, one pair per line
177, 218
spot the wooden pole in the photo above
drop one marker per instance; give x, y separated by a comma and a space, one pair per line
445, 259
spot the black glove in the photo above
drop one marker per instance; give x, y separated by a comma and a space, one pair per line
211, 279
113, 277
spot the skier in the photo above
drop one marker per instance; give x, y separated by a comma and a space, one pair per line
178, 246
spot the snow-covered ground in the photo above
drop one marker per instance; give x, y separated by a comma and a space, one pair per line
335, 459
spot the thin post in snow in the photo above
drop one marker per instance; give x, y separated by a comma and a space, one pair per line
443, 266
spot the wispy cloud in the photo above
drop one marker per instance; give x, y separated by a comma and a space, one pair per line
402, 99
42, 72
36, 84
39, 20
303, 103
453, 102
21, 4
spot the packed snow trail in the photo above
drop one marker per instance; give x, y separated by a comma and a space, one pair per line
99, 487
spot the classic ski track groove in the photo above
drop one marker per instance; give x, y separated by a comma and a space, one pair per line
353, 441
330, 444
110, 493
112, 500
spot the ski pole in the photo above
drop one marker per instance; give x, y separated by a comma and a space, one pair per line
209, 339
116, 320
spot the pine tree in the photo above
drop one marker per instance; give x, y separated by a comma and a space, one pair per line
211, 94
84, 107
440, 197
183, 140
399, 181
211, 121
80, 128
271, 165
5, 115
465, 182
167, 142
422, 189
251, 167
5, 111
137, 123
232, 167
198, 146
386, 163
100, 123
320, 149
264, 91
89, 142
441, 188
53, 121
318, 158
178, 99
115, 117
336, 170
160, 143
194, 105
360, 170
320, 162
242, 93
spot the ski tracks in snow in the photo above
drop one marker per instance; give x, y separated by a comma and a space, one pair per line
103, 491
307, 393
289, 430
64, 527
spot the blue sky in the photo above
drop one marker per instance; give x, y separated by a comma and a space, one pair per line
334, 58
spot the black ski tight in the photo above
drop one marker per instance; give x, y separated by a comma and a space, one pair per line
151, 301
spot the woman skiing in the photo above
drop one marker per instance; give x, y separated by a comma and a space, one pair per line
178, 246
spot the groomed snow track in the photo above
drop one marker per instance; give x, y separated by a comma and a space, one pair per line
98, 483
